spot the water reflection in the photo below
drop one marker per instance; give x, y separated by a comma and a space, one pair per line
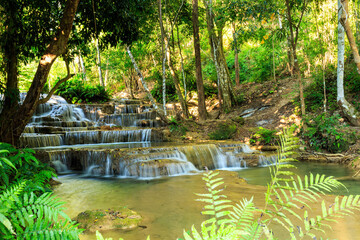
167, 204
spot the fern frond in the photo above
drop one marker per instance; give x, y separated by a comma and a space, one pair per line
216, 203
224, 232
243, 215
9, 196
64, 230
340, 208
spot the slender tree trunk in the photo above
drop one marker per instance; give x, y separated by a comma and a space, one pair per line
199, 79
177, 86
82, 64
148, 93
13, 119
357, 20
293, 41
349, 111
107, 72
350, 36
182, 64
323, 61
98, 63
273, 57
74, 66
163, 52
237, 67
217, 51
290, 57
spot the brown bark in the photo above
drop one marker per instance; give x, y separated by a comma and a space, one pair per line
199, 79
350, 36
177, 85
52, 91
237, 67
164, 47
294, 33
13, 120
217, 53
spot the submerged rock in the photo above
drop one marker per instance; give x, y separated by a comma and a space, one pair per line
93, 220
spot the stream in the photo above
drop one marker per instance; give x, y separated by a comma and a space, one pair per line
168, 204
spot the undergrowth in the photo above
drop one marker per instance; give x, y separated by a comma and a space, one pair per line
264, 136
27, 208
223, 131
76, 90
324, 132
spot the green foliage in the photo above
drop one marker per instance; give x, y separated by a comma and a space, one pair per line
176, 127
224, 131
76, 91
157, 91
18, 165
215, 203
24, 215
286, 196
324, 132
314, 94
264, 136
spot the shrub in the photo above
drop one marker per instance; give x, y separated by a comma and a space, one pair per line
224, 131
23, 166
176, 127
26, 210
264, 136
157, 91
323, 132
76, 91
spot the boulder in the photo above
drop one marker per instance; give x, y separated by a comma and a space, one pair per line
94, 220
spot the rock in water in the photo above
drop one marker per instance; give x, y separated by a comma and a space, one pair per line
123, 218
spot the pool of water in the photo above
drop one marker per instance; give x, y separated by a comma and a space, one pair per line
261, 176
167, 204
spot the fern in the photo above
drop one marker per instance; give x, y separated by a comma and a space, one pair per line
287, 195
26, 216
216, 203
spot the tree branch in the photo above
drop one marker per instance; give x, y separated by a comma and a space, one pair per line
298, 26
69, 75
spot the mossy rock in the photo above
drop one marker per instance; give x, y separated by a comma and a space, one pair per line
93, 220
239, 120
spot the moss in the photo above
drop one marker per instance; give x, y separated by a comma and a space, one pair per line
122, 218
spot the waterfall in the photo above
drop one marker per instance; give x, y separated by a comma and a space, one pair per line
117, 139
265, 161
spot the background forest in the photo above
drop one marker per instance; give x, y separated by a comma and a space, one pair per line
255, 41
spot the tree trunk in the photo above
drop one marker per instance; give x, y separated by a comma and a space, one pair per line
148, 93
13, 119
237, 67
98, 63
217, 52
199, 79
350, 36
164, 47
182, 64
177, 84
290, 57
293, 42
107, 72
82, 66
273, 57
348, 110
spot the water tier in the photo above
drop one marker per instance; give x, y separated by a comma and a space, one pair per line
98, 140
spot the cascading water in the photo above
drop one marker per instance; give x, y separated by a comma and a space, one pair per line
99, 140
